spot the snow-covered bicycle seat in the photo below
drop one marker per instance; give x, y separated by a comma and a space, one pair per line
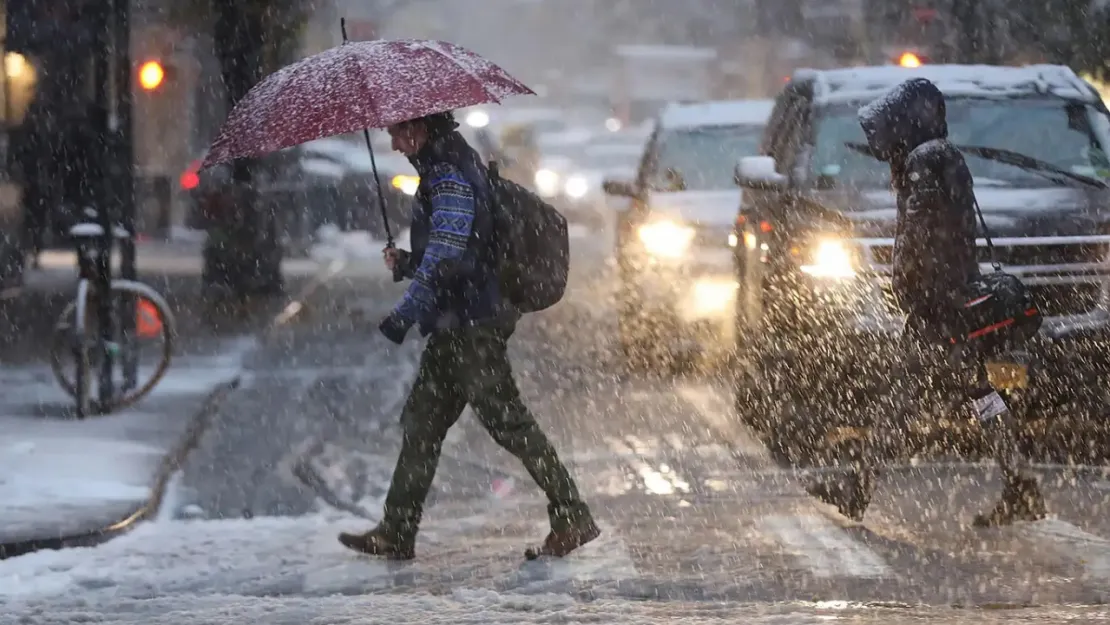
92, 231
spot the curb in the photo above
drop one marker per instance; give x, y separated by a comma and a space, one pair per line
175, 458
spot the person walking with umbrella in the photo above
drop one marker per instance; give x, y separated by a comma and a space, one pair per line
454, 300
408, 87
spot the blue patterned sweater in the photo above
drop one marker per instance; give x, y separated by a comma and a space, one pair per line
452, 218
446, 214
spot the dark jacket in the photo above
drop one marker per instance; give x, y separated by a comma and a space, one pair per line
934, 248
452, 264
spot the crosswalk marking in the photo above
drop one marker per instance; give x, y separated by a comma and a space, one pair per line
715, 409
611, 454
825, 548
1088, 550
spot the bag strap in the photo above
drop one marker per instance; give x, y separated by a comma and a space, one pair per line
986, 235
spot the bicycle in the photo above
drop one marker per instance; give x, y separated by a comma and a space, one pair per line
76, 334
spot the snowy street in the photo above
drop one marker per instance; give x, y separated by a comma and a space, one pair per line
699, 523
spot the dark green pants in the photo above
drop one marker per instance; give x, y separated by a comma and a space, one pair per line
471, 366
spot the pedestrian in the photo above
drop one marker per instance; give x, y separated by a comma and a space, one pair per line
934, 260
455, 301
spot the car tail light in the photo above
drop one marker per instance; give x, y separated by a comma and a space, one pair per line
190, 178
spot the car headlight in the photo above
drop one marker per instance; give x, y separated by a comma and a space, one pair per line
477, 119
547, 182
666, 238
407, 184
831, 258
576, 187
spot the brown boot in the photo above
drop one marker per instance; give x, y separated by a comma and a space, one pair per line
1021, 501
380, 542
570, 529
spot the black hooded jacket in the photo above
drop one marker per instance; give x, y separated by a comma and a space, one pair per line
934, 248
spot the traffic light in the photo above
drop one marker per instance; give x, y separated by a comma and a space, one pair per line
151, 75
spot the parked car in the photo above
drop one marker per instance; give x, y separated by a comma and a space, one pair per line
676, 282
329, 181
814, 236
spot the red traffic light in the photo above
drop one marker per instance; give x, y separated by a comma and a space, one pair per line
151, 75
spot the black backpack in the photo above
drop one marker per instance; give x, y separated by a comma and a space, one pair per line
999, 312
532, 245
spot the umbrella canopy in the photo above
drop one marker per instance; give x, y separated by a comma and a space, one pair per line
354, 86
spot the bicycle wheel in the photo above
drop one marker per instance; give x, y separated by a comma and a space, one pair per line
154, 322
71, 349
149, 303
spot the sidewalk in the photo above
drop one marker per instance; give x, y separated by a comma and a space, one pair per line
65, 482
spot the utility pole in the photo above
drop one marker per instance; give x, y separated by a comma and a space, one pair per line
123, 157
98, 186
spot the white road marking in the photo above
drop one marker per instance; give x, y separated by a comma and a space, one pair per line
1089, 550
659, 480
715, 409
593, 455
674, 440
825, 548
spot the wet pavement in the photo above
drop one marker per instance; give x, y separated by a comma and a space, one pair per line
694, 509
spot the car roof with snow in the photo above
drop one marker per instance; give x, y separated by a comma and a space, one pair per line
716, 113
857, 84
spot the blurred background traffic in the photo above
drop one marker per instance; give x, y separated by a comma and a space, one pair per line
603, 71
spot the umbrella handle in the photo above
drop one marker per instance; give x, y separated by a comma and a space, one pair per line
378, 185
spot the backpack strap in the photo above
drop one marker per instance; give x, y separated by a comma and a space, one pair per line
986, 234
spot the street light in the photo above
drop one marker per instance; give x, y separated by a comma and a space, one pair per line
16, 65
151, 75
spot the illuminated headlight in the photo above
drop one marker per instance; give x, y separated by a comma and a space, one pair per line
831, 258
547, 182
477, 119
407, 184
666, 238
576, 187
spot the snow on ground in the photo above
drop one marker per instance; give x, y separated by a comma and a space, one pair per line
96, 469
360, 253
156, 259
28, 387
56, 469
291, 570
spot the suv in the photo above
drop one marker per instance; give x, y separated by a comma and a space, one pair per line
672, 240
815, 229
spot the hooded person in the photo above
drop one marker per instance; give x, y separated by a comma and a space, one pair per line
454, 300
934, 260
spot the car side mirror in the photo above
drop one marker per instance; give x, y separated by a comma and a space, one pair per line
758, 172
619, 188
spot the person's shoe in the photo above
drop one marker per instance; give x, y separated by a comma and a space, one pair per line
850, 494
1021, 501
568, 532
380, 542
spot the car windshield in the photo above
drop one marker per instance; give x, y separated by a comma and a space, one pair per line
607, 158
702, 158
1068, 135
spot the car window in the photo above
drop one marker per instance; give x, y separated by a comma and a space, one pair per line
1068, 135
702, 158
